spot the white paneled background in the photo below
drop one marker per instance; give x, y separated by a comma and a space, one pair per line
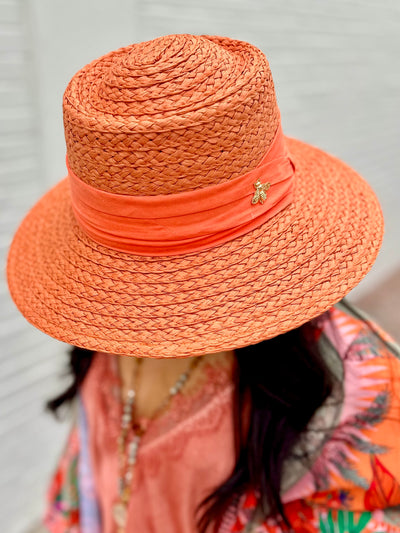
337, 77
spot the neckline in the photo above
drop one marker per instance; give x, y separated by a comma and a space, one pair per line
214, 379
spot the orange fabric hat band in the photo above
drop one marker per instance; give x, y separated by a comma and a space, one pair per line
189, 221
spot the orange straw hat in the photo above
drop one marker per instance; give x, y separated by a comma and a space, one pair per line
188, 223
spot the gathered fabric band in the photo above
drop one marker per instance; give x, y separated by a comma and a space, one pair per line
189, 221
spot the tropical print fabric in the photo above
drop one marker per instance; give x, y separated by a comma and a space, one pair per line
353, 483
62, 513
72, 502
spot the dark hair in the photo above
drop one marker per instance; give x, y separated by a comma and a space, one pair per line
286, 380
78, 366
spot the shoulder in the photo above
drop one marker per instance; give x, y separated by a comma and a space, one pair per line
351, 331
367, 361
357, 468
362, 456
369, 422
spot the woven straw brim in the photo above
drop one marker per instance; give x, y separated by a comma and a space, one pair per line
255, 287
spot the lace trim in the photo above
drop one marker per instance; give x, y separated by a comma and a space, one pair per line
172, 443
198, 411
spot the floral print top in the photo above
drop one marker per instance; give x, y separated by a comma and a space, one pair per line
353, 482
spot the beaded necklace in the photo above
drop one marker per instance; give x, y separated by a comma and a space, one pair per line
127, 451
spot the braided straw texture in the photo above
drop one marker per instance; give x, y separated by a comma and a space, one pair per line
132, 127
170, 115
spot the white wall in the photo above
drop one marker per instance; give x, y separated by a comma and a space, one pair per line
42, 44
335, 66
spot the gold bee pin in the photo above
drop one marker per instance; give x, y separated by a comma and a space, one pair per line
260, 194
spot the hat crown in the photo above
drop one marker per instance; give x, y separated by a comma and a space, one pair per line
173, 114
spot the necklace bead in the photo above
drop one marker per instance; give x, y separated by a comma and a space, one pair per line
128, 451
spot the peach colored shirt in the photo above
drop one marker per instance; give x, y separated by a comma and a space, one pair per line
185, 454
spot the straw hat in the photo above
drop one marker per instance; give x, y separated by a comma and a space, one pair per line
188, 223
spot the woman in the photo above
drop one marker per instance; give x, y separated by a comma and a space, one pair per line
196, 238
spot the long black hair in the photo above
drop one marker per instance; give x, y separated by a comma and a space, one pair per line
286, 379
